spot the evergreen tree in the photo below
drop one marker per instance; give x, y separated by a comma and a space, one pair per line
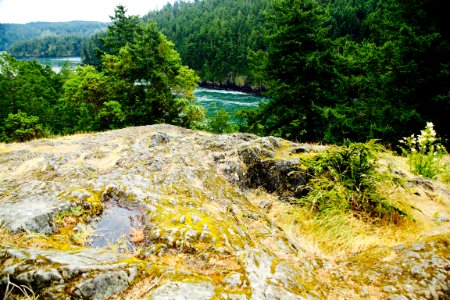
299, 69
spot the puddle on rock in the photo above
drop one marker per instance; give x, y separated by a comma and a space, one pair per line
115, 225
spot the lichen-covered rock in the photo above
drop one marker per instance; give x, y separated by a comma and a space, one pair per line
183, 291
102, 286
419, 270
173, 216
270, 279
32, 206
98, 274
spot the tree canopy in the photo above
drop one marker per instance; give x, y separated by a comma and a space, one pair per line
382, 75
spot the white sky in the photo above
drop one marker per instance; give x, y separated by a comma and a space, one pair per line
24, 11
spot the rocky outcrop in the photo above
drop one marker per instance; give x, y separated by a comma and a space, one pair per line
32, 206
87, 274
161, 212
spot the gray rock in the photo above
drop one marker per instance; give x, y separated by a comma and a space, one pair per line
102, 286
265, 204
33, 207
285, 177
44, 278
182, 219
183, 291
234, 280
397, 297
159, 138
226, 296
268, 285
102, 274
157, 165
195, 219
389, 289
301, 149
192, 235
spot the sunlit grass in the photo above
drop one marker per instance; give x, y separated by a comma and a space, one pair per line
338, 234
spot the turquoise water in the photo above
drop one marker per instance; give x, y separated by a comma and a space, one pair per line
229, 101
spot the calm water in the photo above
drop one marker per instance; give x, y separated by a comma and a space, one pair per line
57, 62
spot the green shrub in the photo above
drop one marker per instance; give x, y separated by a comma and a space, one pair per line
425, 153
346, 180
220, 122
21, 127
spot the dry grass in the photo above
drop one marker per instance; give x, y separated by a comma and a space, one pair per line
338, 235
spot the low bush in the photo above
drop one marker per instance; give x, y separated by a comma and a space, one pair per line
21, 127
346, 179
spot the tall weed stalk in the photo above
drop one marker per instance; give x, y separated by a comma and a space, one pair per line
425, 153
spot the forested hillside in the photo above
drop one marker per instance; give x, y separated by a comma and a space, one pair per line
221, 39
48, 46
46, 38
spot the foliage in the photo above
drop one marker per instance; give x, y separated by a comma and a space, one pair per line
20, 127
299, 69
425, 152
157, 87
346, 180
220, 122
92, 49
48, 46
140, 80
122, 31
28, 87
11, 34
216, 37
355, 70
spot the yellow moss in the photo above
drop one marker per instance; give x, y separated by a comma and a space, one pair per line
97, 205
168, 216
59, 241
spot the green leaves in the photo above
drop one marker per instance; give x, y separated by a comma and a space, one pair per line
142, 80
425, 152
21, 127
347, 179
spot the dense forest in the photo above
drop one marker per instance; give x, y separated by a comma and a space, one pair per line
48, 46
333, 69
46, 39
221, 39
355, 70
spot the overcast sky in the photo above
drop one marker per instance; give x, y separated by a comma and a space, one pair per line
24, 11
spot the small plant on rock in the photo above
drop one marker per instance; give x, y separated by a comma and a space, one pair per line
424, 152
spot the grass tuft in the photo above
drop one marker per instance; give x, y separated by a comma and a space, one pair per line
347, 180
